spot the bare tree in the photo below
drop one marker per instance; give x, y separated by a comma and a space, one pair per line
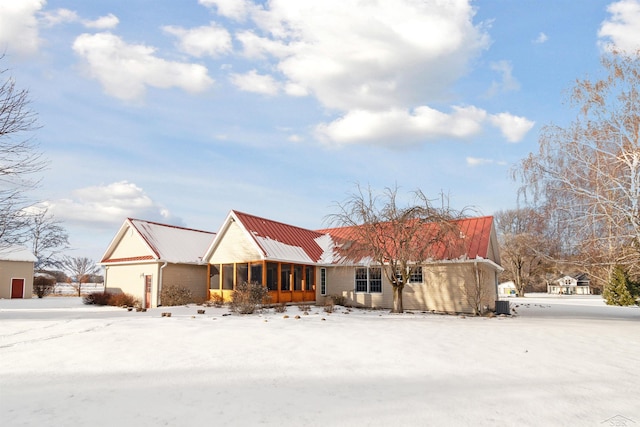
589, 172
527, 246
48, 238
397, 238
81, 270
19, 159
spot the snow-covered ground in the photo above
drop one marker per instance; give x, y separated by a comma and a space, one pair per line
561, 361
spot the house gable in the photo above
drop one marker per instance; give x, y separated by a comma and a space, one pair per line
232, 244
129, 246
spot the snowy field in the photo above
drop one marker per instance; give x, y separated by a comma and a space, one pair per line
561, 361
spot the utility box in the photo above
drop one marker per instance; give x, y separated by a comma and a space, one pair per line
502, 307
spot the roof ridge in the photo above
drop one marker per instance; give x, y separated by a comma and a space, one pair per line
170, 225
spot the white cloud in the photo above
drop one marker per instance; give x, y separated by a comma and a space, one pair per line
542, 37
106, 206
622, 30
402, 127
125, 70
367, 55
508, 82
106, 22
19, 26
59, 16
254, 82
212, 40
234, 9
479, 161
514, 128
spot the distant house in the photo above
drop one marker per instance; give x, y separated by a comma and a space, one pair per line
296, 264
507, 289
16, 272
577, 284
144, 256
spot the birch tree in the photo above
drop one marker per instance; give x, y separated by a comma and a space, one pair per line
588, 172
396, 237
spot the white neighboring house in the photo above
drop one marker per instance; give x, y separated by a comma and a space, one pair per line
507, 289
16, 272
577, 284
144, 256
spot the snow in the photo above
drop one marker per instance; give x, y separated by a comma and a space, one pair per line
560, 361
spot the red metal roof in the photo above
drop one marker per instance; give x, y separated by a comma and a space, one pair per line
472, 240
282, 233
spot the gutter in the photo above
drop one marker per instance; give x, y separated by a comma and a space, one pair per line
158, 299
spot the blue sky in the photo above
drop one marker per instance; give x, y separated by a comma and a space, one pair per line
178, 112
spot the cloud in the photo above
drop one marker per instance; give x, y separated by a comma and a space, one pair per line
59, 16
542, 37
212, 40
508, 82
402, 127
234, 9
125, 70
107, 22
373, 55
107, 206
19, 26
254, 82
479, 161
622, 30
514, 128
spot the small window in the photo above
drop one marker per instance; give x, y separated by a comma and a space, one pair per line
256, 273
416, 275
285, 277
309, 277
323, 281
375, 280
227, 277
272, 276
242, 274
361, 280
368, 280
297, 277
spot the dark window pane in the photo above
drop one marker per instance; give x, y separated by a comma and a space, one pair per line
375, 280
285, 277
227, 276
272, 276
310, 277
256, 273
297, 277
361, 280
323, 281
242, 273
214, 277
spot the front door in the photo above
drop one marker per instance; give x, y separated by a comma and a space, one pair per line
147, 291
17, 288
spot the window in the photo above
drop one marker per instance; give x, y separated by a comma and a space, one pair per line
369, 279
214, 277
256, 273
227, 276
242, 273
272, 276
416, 275
297, 277
309, 278
285, 277
323, 281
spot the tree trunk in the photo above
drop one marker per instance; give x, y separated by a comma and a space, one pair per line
79, 289
397, 299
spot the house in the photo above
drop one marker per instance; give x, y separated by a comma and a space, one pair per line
16, 272
577, 284
507, 289
144, 256
299, 265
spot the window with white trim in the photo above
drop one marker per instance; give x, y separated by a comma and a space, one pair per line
323, 281
368, 280
414, 277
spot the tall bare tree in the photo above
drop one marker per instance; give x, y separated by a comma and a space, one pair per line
47, 236
81, 269
395, 237
526, 246
589, 172
19, 159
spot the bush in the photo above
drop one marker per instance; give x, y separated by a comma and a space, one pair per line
43, 285
217, 300
328, 306
280, 308
249, 297
339, 300
106, 298
175, 295
304, 307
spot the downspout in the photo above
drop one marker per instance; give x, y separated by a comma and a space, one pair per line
106, 271
160, 284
